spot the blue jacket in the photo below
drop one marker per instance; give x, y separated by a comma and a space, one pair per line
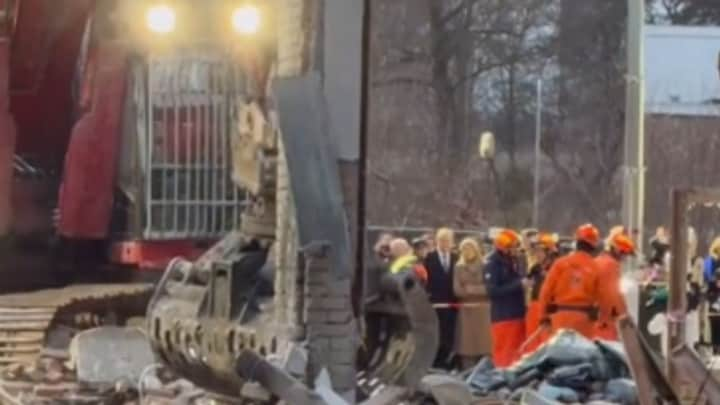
710, 268
503, 281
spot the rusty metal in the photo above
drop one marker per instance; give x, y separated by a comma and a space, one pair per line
408, 350
193, 316
638, 364
647, 374
687, 363
255, 368
677, 304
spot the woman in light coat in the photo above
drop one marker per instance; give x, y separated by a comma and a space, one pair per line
473, 328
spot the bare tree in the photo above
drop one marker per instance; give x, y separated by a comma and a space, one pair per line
688, 12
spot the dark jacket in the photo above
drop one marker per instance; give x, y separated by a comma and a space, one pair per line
440, 280
503, 280
537, 274
658, 251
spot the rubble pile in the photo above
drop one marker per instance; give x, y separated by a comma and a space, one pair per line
568, 369
106, 365
116, 366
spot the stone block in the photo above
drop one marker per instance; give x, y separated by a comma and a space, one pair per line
342, 317
342, 375
447, 390
320, 345
110, 354
255, 391
332, 330
329, 303
343, 286
347, 344
316, 316
295, 361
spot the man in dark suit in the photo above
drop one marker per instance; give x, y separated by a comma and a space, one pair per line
440, 264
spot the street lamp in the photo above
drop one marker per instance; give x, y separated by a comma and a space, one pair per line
486, 146
486, 150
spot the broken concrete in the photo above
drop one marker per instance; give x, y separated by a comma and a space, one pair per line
446, 390
323, 387
390, 395
110, 354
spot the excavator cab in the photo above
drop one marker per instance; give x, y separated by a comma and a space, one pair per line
161, 103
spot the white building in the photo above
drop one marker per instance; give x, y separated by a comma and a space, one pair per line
682, 72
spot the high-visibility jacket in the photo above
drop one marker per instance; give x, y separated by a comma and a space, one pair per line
571, 283
409, 263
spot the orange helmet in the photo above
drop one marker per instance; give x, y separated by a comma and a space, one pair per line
589, 234
547, 241
623, 244
506, 240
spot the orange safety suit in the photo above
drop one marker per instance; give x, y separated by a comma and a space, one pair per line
614, 305
571, 293
535, 339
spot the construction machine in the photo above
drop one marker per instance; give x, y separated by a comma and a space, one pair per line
224, 321
115, 149
138, 133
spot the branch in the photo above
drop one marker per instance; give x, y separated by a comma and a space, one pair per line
477, 72
578, 185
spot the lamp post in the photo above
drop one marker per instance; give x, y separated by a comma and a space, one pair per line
538, 138
634, 165
486, 150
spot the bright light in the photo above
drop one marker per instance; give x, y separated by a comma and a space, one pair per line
161, 19
246, 20
627, 285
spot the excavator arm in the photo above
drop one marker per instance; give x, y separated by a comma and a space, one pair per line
253, 310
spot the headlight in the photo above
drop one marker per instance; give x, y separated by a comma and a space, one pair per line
246, 20
161, 19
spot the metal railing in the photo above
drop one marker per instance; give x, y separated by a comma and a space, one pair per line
192, 104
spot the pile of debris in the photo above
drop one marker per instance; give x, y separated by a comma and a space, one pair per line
568, 368
116, 366
108, 365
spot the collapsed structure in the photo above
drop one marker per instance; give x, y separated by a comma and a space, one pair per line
238, 124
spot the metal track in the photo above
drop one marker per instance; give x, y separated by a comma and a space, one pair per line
27, 318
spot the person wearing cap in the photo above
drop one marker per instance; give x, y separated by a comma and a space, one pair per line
570, 294
545, 251
619, 247
505, 285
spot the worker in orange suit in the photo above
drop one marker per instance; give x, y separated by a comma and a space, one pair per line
620, 246
545, 250
505, 286
570, 294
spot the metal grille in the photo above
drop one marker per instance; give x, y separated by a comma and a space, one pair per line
191, 113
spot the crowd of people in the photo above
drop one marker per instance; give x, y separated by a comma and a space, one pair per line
702, 318
508, 301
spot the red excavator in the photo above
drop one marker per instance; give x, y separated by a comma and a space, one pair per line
115, 146
120, 115
120, 122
